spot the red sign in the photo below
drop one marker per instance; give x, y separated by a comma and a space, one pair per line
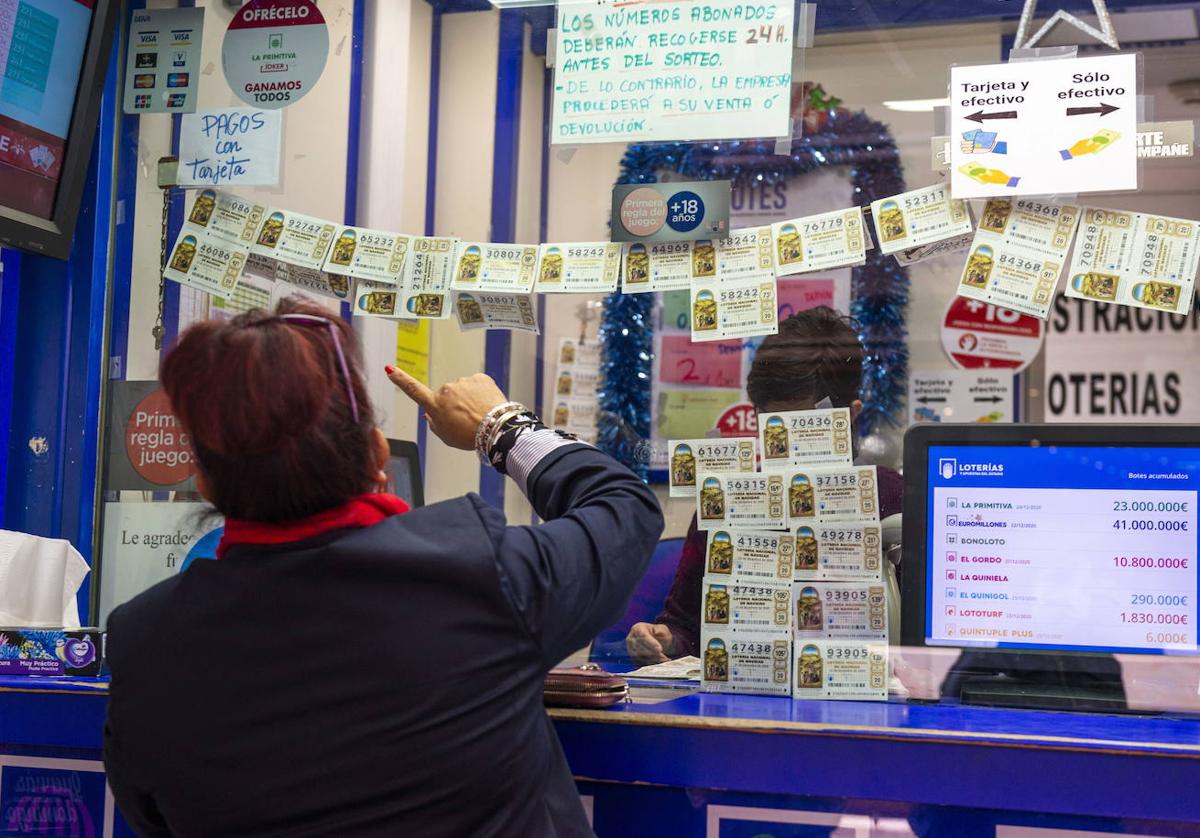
158, 449
716, 364
738, 420
977, 335
802, 294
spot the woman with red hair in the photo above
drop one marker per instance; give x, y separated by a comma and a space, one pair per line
348, 667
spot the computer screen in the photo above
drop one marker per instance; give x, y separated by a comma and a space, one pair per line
54, 57
404, 472
42, 46
1045, 545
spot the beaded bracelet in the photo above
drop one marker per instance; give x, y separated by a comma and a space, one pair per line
491, 422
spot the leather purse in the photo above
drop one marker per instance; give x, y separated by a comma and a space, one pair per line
586, 686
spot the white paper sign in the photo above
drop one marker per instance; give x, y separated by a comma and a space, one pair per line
145, 543
960, 396
686, 70
1044, 127
230, 147
1110, 363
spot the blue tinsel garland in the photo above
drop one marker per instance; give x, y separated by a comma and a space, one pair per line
879, 289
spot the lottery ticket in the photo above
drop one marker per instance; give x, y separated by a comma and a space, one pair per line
1018, 253
576, 380
579, 266
806, 437
955, 244
575, 415
746, 662
373, 255
664, 266
579, 354
480, 266
310, 281
829, 494
1134, 259
746, 605
745, 255
224, 216
819, 242
841, 550
294, 238
427, 275
485, 310
690, 457
206, 262
919, 217
378, 300
839, 610
839, 669
741, 501
734, 309
758, 556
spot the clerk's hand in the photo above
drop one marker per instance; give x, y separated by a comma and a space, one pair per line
650, 643
455, 410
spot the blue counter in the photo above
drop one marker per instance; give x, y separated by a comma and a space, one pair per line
746, 766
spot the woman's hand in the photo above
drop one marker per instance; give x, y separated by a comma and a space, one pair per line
455, 410
650, 643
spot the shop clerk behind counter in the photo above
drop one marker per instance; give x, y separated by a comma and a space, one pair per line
346, 667
816, 355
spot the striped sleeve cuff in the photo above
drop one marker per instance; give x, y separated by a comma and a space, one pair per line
529, 451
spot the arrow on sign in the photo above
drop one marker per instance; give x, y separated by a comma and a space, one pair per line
980, 116
931, 399
1101, 109
993, 399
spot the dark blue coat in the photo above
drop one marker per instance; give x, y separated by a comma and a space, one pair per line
375, 682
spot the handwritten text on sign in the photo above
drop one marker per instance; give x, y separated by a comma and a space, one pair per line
687, 70
231, 146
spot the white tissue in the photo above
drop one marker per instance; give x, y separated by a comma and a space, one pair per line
39, 578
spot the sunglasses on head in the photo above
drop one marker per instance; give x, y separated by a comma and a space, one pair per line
312, 320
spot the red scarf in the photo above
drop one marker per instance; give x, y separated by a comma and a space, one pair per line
362, 511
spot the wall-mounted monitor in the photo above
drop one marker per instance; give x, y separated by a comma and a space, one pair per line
54, 55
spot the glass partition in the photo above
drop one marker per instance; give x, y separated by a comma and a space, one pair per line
468, 131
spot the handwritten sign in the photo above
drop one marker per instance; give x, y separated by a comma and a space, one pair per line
230, 146
717, 364
686, 70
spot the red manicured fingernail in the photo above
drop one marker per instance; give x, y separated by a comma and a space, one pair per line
389, 370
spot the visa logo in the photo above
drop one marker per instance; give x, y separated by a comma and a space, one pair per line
149, 39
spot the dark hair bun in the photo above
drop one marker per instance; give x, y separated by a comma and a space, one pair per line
266, 407
815, 355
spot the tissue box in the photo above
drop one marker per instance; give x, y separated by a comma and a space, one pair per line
48, 651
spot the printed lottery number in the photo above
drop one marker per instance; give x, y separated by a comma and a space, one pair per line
837, 479
846, 653
925, 200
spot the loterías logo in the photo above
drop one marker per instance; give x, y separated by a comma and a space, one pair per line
950, 467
